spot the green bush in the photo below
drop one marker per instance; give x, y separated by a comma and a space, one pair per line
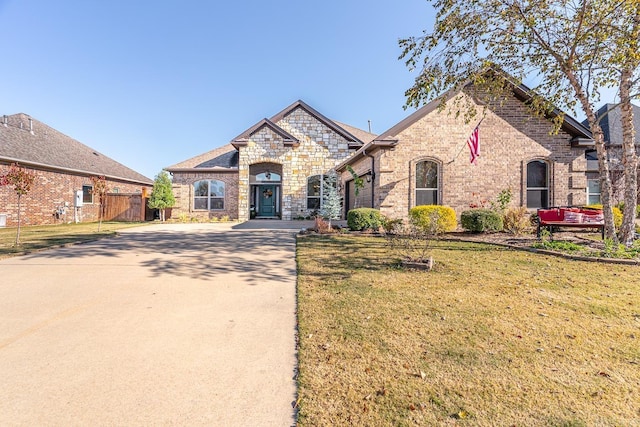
617, 214
364, 218
433, 219
481, 220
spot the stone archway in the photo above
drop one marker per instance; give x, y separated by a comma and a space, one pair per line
265, 191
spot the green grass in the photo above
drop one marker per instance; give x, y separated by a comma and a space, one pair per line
46, 236
491, 336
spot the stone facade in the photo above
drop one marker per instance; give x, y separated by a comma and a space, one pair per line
318, 150
51, 199
510, 138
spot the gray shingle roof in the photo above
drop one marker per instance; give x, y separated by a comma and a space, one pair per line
31, 142
612, 125
225, 157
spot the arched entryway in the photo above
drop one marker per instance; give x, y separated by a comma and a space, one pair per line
265, 186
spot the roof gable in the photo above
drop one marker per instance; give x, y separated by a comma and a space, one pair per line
223, 158
522, 92
611, 123
243, 138
353, 141
31, 142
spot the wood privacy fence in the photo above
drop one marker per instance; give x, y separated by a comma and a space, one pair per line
129, 207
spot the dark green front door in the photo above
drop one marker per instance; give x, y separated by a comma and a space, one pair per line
267, 195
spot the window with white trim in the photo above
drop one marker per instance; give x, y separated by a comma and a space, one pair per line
315, 191
537, 184
593, 191
592, 160
208, 195
426, 183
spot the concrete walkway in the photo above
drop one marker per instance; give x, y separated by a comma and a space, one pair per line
182, 324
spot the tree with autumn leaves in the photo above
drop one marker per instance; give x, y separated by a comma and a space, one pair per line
99, 190
575, 49
21, 179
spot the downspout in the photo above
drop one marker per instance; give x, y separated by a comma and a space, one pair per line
373, 176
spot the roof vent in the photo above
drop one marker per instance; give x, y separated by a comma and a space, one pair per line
5, 120
31, 126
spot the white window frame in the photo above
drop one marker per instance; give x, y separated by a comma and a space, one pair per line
547, 181
590, 194
209, 197
87, 196
415, 181
322, 178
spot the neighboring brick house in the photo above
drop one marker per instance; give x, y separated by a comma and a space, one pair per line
424, 159
612, 129
274, 169
63, 166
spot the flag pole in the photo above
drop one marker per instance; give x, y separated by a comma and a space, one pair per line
465, 143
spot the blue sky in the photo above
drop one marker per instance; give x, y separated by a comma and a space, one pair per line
152, 83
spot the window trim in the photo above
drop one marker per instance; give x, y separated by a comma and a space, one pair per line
547, 164
89, 193
589, 193
414, 180
320, 197
208, 197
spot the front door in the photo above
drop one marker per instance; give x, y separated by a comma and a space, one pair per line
267, 195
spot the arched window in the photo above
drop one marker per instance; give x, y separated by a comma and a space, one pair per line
208, 195
537, 184
427, 183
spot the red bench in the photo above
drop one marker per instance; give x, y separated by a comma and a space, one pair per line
570, 217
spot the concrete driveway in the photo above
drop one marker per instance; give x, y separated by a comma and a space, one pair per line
182, 324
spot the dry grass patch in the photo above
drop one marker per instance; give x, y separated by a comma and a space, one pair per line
491, 336
46, 236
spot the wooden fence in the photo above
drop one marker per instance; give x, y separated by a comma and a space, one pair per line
127, 207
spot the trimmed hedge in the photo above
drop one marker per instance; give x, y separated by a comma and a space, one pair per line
481, 220
433, 219
364, 218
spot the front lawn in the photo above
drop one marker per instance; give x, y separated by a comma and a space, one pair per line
491, 336
45, 236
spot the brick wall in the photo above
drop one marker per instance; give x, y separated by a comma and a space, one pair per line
50, 191
183, 192
510, 137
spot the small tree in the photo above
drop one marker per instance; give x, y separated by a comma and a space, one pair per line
99, 190
358, 184
21, 179
162, 194
331, 200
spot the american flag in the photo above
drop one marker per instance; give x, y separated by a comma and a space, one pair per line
474, 144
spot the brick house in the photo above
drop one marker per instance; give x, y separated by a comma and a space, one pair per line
63, 167
424, 158
274, 169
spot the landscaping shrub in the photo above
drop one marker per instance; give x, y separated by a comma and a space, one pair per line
364, 218
433, 219
481, 220
617, 214
516, 220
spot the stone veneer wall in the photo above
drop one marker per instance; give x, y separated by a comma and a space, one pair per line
51, 190
320, 149
509, 138
183, 193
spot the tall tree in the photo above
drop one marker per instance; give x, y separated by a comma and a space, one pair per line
22, 180
99, 190
628, 59
565, 44
162, 194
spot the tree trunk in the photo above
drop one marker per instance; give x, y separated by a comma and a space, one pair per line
603, 162
629, 160
99, 217
18, 230
162, 215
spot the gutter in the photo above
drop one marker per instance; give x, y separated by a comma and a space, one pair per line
74, 171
